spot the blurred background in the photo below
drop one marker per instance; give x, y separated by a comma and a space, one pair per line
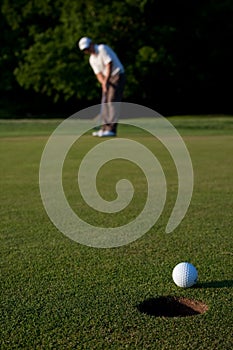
177, 54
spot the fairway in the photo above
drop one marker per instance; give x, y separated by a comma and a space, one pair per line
59, 294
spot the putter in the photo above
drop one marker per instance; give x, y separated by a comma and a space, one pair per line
99, 118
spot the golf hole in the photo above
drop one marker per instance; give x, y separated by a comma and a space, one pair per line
168, 306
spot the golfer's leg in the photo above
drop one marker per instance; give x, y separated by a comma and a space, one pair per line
115, 92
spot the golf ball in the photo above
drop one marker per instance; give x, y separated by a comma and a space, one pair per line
184, 275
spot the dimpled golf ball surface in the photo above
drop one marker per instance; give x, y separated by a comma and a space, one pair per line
184, 275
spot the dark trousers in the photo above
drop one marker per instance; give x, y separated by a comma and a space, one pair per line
111, 109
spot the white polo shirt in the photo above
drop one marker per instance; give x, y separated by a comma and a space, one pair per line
102, 56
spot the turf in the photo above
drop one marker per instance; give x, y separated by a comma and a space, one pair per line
58, 294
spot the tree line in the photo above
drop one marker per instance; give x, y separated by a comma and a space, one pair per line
177, 54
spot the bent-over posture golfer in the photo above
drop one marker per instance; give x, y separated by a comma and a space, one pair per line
111, 75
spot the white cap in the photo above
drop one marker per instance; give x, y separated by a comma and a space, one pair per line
84, 43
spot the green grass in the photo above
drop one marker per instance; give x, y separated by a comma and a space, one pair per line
58, 294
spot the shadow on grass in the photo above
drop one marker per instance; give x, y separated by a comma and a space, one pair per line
215, 284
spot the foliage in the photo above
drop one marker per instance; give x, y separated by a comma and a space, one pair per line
171, 50
7, 58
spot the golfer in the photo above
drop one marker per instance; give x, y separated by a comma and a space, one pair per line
110, 73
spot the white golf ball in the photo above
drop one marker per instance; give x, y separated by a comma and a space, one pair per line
184, 275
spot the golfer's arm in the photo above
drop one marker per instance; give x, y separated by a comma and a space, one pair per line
104, 79
108, 71
100, 78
